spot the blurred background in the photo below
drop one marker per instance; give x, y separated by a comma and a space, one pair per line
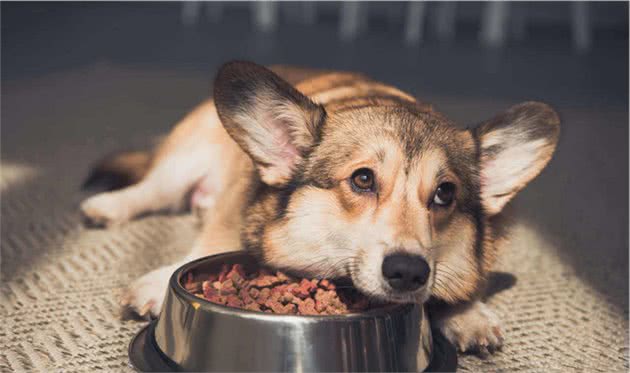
572, 50
80, 80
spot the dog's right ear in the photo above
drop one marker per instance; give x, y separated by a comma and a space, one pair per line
271, 121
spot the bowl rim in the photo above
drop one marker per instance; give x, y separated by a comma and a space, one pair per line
181, 292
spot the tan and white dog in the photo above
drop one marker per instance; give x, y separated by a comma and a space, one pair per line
333, 174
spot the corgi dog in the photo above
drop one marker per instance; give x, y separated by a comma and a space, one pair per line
334, 174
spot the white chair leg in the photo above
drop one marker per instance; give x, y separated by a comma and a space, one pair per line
581, 26
350, 20
414, 22
265, 15
190, 12
493, 23
445, 20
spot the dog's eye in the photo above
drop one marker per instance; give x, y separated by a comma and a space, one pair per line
444, 194
362, 180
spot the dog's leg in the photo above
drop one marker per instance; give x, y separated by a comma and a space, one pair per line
146, 295
163, 189
188, 154
471, 327
220, 233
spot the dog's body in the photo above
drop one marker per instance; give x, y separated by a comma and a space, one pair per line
333, 174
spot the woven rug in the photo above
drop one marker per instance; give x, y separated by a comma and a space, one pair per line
60, 281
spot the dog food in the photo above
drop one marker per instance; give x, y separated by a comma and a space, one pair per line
276, 292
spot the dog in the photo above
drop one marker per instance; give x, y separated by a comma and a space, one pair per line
334, 174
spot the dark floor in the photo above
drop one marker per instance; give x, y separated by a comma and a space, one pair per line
580, 201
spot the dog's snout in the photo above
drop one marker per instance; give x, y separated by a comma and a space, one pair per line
404, 272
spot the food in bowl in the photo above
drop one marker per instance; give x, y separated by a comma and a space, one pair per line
265, 290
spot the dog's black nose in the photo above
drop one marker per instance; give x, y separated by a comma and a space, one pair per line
405, 272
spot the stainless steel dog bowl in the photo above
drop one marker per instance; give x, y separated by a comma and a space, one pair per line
192, 334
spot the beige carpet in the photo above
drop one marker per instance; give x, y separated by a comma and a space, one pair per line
568, 310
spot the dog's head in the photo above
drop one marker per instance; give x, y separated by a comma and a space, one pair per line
393, 197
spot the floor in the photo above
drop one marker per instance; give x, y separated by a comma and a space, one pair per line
81, 80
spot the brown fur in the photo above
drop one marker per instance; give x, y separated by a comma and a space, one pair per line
285, 148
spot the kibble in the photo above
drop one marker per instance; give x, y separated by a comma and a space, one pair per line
275, 292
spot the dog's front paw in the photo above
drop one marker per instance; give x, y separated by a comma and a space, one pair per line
472, 328
104, 209
146, 294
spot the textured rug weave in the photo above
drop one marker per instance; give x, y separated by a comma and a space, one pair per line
60, 281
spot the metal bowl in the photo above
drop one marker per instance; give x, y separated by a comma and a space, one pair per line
192, 334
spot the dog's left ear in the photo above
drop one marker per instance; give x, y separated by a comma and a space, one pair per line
271, 121
514, 147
